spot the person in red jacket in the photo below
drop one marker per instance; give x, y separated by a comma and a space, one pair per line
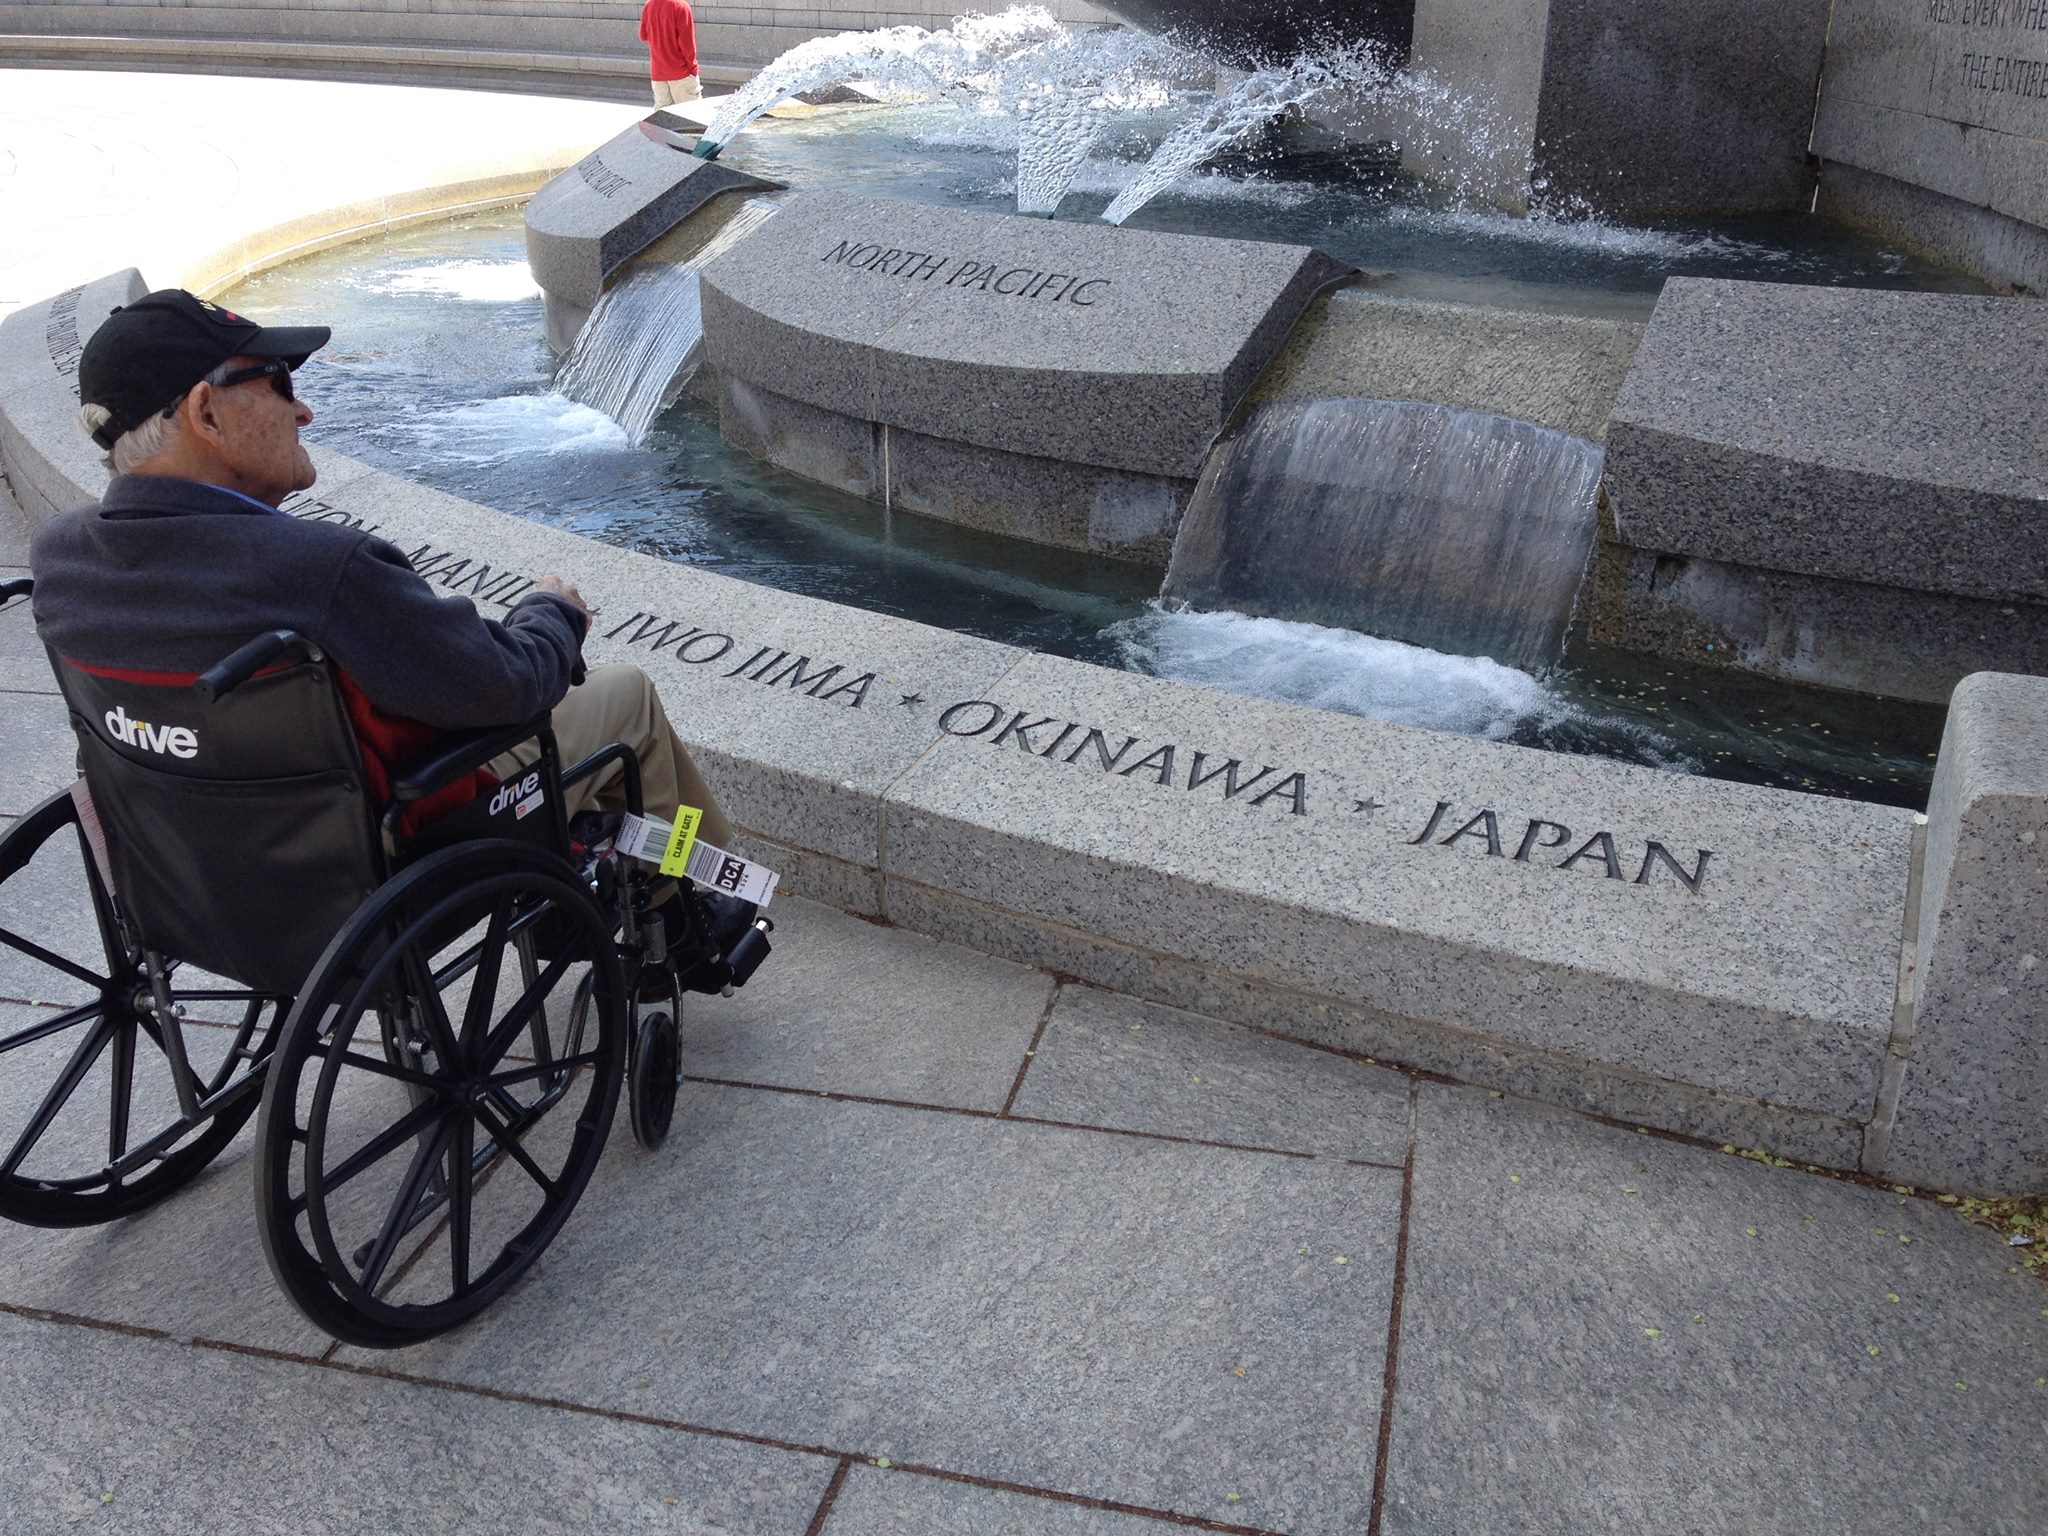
670, 33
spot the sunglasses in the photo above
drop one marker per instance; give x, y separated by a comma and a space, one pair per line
277, 370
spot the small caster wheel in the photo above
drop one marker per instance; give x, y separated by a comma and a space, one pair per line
651, 1083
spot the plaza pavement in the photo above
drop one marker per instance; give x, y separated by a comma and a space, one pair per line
948, 1246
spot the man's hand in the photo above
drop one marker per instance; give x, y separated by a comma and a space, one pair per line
560, 588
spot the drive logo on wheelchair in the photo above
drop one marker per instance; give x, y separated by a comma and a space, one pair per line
522, 795
165, 740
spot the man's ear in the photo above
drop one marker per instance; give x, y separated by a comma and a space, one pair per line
200, 415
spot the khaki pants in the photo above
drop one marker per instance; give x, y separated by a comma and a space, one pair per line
618, 703
668, 92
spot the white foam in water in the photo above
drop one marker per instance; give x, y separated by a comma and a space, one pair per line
481, 432
1113, 176
1585, 233
478, 282
1336, 669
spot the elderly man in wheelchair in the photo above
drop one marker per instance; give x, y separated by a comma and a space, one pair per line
355, 861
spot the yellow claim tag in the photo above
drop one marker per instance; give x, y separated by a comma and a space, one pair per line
677, 855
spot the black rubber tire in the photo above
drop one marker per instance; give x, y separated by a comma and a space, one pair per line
100, 982
467, 1122
651, 1088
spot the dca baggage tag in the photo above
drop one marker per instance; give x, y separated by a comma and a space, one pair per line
679, 851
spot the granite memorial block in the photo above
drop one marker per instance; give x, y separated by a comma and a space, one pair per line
1945, 97
1852, 635
1973, 1105
1890, 438
1116, 348
49, 460
1749, 937
618, 199
1633, 107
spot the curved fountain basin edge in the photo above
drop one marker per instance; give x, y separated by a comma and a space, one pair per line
1084, 819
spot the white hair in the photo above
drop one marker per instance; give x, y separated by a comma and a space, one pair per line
136, 446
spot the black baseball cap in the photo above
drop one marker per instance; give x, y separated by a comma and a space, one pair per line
147, 354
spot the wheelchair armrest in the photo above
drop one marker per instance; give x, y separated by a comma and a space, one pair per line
459, 755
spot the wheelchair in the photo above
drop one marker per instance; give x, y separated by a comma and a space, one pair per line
431, 1020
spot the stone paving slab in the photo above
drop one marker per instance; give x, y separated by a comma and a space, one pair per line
1061, 1309
1114, 1061
1551, 1077
1535, 1397
847, 1008
111, 1433
38, 748
24, 668
874, 1502
192, 1265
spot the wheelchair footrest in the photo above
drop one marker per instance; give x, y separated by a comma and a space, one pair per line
728, 973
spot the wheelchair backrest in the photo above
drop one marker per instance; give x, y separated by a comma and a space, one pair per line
239, 832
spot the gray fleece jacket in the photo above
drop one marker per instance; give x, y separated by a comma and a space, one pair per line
171, 575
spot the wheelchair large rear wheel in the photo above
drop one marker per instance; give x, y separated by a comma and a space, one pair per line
438, 1103
90, 1124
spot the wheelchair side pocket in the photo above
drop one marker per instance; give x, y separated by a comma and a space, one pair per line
249, 878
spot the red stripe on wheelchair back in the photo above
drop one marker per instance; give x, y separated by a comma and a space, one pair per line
153, 679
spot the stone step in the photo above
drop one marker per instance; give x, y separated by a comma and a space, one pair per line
617, 77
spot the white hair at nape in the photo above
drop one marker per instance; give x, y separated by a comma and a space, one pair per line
136, 446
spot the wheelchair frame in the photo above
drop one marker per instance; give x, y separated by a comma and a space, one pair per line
369, 1253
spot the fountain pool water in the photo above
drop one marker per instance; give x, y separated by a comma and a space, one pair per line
438, 372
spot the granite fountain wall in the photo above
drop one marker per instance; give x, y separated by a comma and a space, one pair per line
1058, 382
1933, 130
1719, 960
1633, 107
1762, 510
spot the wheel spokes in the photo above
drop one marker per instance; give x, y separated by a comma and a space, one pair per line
561, 1064
398, 1221
433, 1011
424, 1081
51, 958
74, 1072
516, 1017
461, 1197
377, 1148
55, 1025
508, 1140
483, 987
122, 1094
